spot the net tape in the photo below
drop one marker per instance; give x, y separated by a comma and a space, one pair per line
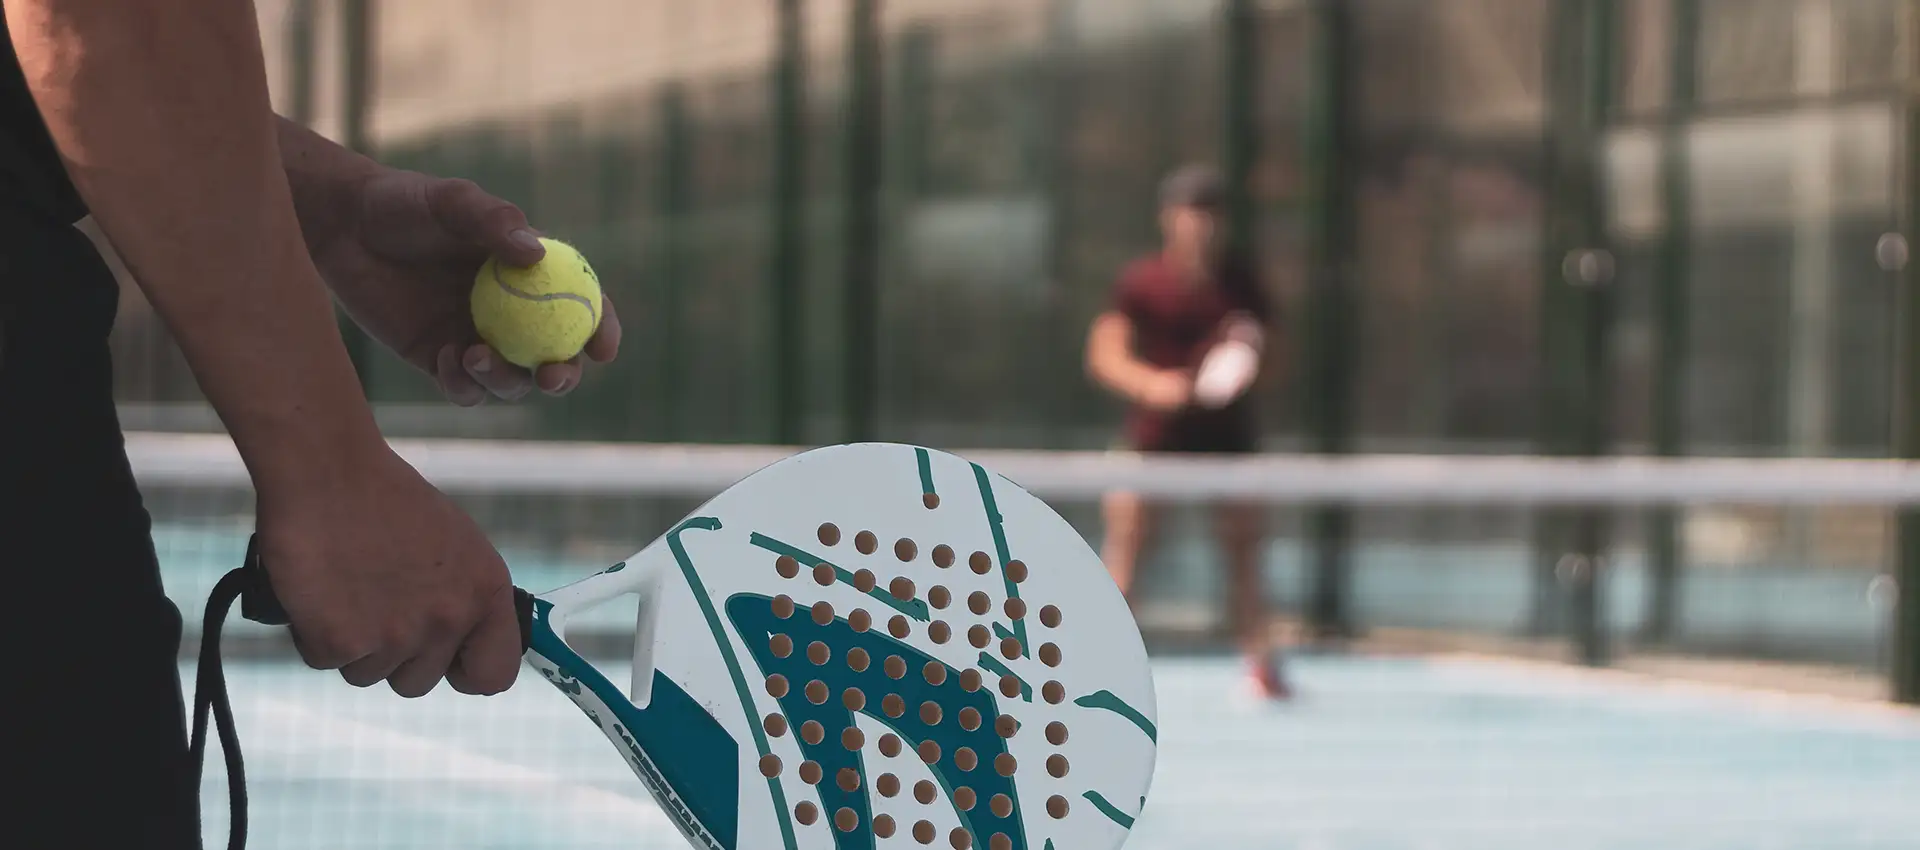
479, 466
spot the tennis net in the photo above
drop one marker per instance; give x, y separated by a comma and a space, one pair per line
1776, 557
1785, 567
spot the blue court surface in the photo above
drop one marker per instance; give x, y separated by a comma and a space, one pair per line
1377, 754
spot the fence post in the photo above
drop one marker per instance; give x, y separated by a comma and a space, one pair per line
787, 270
1332, 304
1906, 389
1672, 292
861, 295
674, 201
357, 34
1579, 298
1240, 152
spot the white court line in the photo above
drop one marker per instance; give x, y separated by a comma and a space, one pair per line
1890, 717
428, 759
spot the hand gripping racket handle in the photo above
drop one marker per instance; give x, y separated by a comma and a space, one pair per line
259, 603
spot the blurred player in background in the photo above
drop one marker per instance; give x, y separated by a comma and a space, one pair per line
1182, 342
148, 124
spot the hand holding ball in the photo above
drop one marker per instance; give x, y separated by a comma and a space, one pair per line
541, 314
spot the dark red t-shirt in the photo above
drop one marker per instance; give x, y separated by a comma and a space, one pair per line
1175, 322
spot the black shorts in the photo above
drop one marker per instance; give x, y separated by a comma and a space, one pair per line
1181, 435
1212, 444
97, 735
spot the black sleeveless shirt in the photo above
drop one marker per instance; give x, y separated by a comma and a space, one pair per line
32, 177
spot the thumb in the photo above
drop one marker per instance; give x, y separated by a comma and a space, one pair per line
484, 221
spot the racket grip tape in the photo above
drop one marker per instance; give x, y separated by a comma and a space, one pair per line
259, 604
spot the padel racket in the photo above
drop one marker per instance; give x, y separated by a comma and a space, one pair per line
868, 645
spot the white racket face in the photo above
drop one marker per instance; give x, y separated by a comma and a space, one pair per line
875, 645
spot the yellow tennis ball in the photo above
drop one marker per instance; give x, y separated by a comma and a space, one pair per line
541, 314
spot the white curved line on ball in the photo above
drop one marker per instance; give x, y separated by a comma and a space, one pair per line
592, 311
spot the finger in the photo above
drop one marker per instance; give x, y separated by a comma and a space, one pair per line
485, 221
558, 378
322, 654
605, 342
421, 673
371, 670
459, 387
493, 372
489, 659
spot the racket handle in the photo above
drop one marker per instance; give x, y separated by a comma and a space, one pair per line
259, 604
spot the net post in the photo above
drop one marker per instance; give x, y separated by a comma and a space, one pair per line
787, 272
1330, 310
1906, 391
1671, 317
861, 227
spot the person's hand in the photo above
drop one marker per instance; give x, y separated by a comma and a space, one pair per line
403, 265
385, 579
1166, 391
1244, 328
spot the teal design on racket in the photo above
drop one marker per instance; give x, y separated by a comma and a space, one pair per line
868, 646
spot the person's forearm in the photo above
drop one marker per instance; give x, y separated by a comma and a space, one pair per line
164, 122
1122, 375
1110, 361
324, 178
